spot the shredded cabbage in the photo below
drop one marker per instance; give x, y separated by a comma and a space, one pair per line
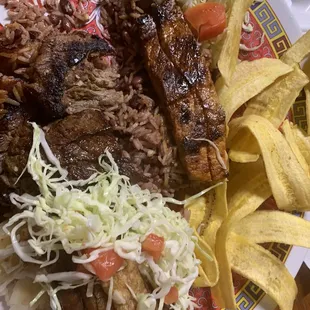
107, 212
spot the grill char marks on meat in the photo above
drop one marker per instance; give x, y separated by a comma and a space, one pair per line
183, 50
178, 42
15, 144
56, 56
185, 116
77, 140
181, 90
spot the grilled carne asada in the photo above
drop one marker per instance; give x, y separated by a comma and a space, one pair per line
77, 140
182, 79
56, 56
186, 117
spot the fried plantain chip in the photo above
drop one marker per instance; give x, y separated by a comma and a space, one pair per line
289, 134
248, 185
289, 182
275, 101
245, 150
249, 79
306, 69
219, 212
264, 269
209, 270
199, 211
247, 190
302, 142
273, 104
274, 226
298, 51
307, 92
229, 53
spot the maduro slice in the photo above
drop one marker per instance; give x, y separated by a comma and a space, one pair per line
183, 50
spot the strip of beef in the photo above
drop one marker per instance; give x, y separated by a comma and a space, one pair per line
78, 141
187, 117
172, 54
15, 144
183, 50
56, 56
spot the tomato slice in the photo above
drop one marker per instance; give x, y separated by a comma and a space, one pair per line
107, 264
154, 246
208, 20
172, 297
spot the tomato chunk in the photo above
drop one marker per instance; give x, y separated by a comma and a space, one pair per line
107, 264
154, 246
172, 297
208, 20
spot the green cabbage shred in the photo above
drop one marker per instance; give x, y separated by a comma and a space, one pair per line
104, 212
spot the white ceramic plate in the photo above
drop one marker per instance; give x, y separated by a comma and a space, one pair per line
276, 21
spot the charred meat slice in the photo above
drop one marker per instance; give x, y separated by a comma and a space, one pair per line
186, 116
171, 54
56, 56
164, 75
15, 144
183, 50
77, 140
178, 42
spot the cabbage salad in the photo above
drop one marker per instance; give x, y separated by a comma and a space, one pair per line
104, 212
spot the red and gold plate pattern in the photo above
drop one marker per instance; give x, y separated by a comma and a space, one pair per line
270, 33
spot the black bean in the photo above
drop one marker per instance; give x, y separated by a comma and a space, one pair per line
54, 19
136, 81
66, 24
126, 37
66, 7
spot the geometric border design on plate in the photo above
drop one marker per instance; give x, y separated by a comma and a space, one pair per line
250, 294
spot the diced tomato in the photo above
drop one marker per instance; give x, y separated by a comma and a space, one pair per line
154, 246
107, 264
156, 255
208, 20
172, 297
